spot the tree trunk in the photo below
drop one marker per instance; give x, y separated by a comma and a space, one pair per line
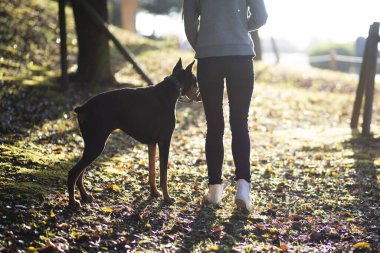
94, 66
128, 9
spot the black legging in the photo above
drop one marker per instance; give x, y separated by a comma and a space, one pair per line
239, 75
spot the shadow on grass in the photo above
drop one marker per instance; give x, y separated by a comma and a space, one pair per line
200, 229
27, 106
208, 229
358, 177
365, 151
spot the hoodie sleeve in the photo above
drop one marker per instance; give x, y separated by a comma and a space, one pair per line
191, 20
257, 14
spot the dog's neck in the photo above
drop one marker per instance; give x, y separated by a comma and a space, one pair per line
170, 92
176, 82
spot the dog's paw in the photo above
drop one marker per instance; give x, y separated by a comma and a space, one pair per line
155, 193
74, 205
87, 198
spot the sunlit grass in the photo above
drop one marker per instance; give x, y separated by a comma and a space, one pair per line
314, 181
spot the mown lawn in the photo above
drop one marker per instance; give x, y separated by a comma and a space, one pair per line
315, 182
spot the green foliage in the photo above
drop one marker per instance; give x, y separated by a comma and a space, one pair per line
346, 49
161, 6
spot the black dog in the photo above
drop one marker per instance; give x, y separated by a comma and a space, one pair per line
146, 114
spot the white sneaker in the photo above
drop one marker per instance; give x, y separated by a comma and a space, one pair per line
243, 194
215, 192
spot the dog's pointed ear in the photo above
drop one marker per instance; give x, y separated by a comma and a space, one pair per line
178, 66
190, 66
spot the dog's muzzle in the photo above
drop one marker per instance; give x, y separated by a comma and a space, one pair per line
193, 94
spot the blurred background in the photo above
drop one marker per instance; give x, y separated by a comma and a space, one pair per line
298, 33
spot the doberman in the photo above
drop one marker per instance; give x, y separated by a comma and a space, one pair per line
146, 114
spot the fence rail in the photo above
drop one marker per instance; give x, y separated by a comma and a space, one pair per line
336, 57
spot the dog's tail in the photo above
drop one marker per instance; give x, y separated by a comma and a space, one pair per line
81, 114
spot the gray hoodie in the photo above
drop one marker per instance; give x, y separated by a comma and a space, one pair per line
220, 27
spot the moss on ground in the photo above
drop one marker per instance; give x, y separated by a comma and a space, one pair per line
315, 183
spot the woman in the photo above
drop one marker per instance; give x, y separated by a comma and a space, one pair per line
218, 31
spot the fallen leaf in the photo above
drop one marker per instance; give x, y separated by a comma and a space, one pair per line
308, 208
169, 237
214, 248
32, 249
62, 225
345, 214
51, 245
181, 202
107, 209
274, 230
121, 168
261, 227
362, 245
218, 228
284, 247
113, 187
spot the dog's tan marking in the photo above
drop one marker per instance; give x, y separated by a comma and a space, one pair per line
152, 170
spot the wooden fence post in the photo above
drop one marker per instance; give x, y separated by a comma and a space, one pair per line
63, 45
371, 73
332, 62
363, 78
275, 49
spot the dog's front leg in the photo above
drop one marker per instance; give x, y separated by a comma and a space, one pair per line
164, 157
152, 170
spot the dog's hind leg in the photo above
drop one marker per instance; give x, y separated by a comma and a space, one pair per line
152, 171
85, 196
164, 157
72, 178
91, 151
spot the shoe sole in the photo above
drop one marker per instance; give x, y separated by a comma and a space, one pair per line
240, 204
207, 202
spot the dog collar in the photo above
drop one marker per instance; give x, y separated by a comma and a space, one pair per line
174, 80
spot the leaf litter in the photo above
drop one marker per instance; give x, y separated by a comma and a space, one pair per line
315, 183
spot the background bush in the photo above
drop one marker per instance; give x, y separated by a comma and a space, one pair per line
347, 49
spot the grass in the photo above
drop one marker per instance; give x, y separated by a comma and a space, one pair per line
315, 182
